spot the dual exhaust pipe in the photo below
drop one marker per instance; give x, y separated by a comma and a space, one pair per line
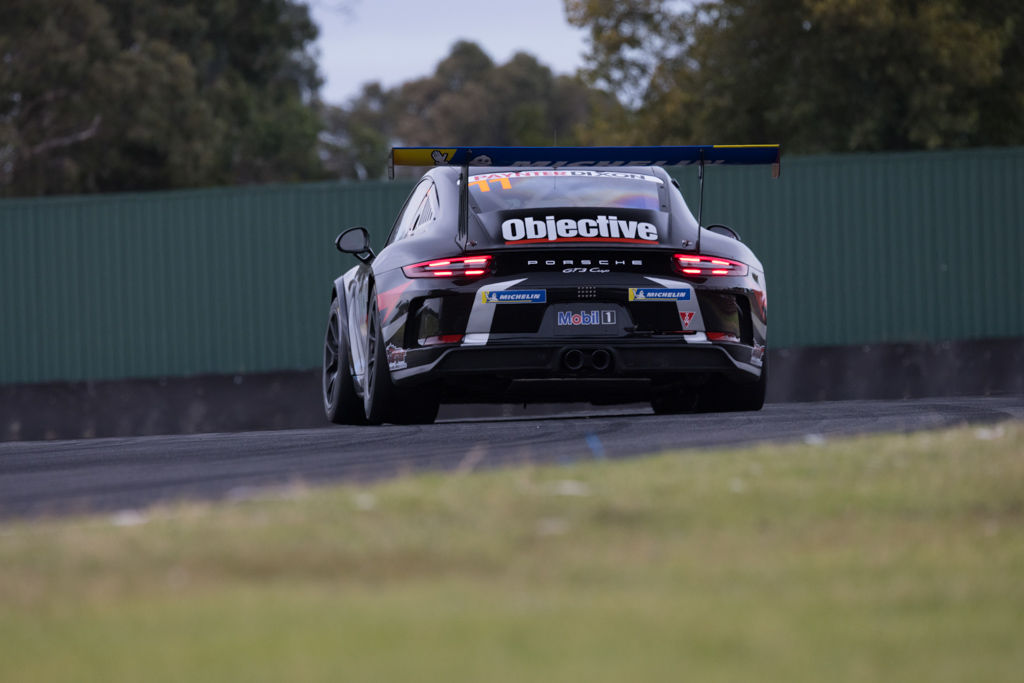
596, 359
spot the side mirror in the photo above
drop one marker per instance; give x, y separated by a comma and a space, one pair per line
724, 230
355, 241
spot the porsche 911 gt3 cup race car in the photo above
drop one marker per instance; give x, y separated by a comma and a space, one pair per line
523, 274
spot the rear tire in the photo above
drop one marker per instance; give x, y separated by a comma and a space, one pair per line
382, 400
751, 396
716, 397
341, 404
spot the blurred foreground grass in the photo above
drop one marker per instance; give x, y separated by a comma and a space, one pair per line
881, 558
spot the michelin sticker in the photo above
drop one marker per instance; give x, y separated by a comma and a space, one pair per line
514, 296
658, 294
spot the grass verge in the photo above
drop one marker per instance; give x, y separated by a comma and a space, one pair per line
876, 558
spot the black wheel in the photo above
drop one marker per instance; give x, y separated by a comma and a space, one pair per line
751, 396
382, 400
377, 387
715, 397
341, 404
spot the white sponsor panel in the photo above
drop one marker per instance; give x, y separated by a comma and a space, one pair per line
478, 329
578, 173
686, 304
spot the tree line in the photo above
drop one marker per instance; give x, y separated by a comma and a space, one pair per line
104, 95
814, 75
111, 95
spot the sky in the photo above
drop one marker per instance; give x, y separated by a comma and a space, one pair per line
393, 41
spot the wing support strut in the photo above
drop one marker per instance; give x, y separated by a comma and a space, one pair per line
464, 207
700, 197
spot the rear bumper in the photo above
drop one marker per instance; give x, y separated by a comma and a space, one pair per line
564, 369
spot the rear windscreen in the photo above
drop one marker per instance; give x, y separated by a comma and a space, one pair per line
563, 188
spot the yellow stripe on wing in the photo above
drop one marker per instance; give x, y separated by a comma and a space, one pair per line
422, 156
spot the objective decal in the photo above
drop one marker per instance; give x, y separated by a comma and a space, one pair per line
598, 229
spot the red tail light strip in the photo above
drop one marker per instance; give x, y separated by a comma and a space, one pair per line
456, 266
707, 266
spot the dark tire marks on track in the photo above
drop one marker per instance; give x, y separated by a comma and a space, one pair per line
60, 477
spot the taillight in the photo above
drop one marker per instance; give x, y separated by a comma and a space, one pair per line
707, 266
456, 266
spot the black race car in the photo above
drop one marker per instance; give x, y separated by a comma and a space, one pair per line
548, 274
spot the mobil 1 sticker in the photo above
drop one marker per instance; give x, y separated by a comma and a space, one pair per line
586, 319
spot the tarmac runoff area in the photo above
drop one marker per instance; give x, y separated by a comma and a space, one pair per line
112, 474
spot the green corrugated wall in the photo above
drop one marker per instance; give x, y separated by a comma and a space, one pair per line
175, 283
860, 248
857, 248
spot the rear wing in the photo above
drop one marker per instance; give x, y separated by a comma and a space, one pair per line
558, 157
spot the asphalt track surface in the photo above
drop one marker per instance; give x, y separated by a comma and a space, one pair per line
97, 475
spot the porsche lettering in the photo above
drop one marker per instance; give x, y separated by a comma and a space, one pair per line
585, 262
